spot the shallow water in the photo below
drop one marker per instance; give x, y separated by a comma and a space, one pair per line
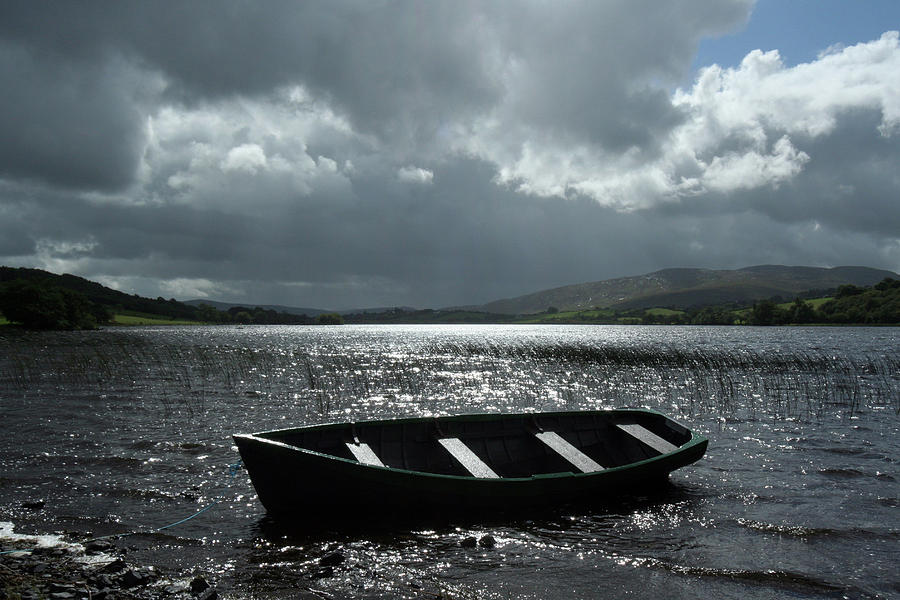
127, 430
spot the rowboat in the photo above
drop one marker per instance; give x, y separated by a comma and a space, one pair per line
478, 463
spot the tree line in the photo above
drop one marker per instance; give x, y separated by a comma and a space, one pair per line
40, 300
37, 299
850, 304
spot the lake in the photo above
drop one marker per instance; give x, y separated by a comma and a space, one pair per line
125, 430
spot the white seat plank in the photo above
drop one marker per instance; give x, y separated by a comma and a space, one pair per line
576, 457
468, 459
648, 437
363, 453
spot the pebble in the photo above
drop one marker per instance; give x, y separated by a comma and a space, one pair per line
114, 566
98, 547
55, 574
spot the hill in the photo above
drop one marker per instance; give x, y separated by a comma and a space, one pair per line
690, 288
113, 300
297, 310
290, 310
34, 288
696, 296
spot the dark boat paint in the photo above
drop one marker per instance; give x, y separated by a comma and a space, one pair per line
309, 470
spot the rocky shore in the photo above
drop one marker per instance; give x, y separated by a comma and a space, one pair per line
93, 571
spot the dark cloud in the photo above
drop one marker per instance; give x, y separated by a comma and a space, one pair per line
342, 154
379, 62
402, 69
69, 124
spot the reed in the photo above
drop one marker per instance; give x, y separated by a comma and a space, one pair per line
328, 381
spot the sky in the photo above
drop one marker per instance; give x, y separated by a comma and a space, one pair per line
340, 155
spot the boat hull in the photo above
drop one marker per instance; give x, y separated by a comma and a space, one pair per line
307, 484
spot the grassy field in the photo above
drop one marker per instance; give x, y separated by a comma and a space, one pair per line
663, 312
570, 316
138, 319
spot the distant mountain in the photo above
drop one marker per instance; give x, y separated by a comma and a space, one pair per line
291, 310
670, 288
377, 310
688, 288
295, 310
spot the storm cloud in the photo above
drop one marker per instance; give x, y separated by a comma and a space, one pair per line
347, 154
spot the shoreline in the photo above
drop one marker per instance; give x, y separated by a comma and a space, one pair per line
34, 567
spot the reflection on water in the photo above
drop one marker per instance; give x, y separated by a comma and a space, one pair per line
121, 430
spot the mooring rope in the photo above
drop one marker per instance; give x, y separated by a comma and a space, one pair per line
233, 469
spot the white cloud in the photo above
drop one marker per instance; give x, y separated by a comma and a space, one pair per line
243, 157
736, 171
743, 128
326, 164
220, 154
413, 174
807, 99
761, 100
248, 158
63, 256
193, 288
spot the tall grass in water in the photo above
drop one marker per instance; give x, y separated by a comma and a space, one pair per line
322, 382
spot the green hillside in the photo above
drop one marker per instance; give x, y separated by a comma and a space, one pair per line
850, 305
42, 300
112, 300
681, 289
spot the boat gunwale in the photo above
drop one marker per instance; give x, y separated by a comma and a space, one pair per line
694, 441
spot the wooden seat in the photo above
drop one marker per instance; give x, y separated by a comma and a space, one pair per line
363, 453
573, 455
648, 437
468, 459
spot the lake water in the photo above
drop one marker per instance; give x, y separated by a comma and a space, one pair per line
126, 430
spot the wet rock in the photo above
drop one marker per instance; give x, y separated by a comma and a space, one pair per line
208, 594
130, 578
469, 542
56, 551
114, 567
198, 585
101, 581
322, 573
487, 541
52, 574
98, 547
136, 577
36, 567
332, 560
33, 504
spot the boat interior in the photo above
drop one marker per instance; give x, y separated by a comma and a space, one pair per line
497, 446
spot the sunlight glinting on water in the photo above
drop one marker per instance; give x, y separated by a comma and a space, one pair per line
802, 424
